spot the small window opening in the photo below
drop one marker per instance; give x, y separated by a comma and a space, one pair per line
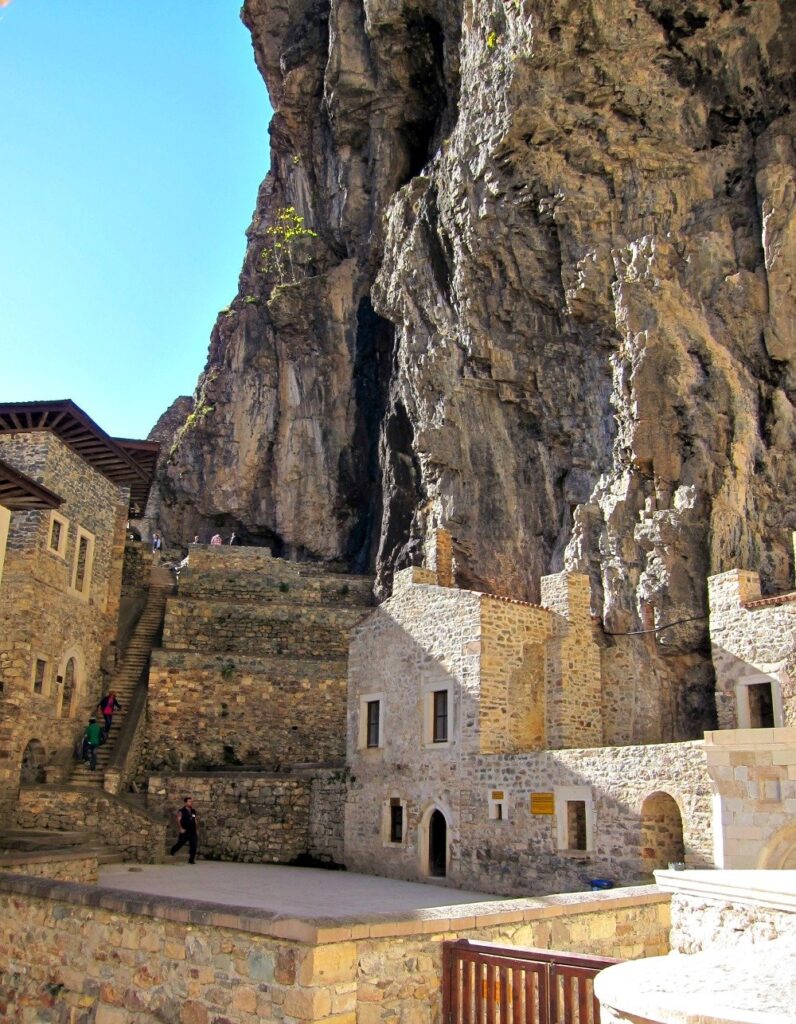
38, 675
440, 717
576, 824
372, 732
81, 565
761, 706
56, 532
396, 821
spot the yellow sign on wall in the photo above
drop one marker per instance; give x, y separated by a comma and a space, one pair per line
542, 803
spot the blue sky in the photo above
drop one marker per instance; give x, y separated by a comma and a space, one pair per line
133, 137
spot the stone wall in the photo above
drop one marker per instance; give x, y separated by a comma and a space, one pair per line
63, 867
753, 642
519, 677
572, 665
524, 852
300, 631
257, 818
116, 823
754, 777
513, 701
327, 817
136, 569
215, 710
43, 618
131, 960
254, 654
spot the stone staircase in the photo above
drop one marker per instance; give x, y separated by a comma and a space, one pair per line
127, 675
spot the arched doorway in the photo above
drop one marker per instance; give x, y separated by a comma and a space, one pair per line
437, 844
661, 832
34, 757
69, 685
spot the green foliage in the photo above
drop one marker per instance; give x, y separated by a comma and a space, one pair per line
227, 672
491, 40
284, 587
287, 247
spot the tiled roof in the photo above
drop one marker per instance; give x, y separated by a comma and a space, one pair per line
125, 462
21, 494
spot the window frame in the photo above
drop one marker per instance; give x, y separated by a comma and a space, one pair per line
743, 705
63, 523
564, 795
83, 592
392, 803
430, 717
363, 731
40, 659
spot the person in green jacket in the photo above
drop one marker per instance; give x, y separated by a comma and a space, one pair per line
93, 735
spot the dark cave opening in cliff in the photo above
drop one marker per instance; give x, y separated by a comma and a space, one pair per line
425, 49
360, 474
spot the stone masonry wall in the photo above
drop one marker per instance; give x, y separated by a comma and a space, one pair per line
754, 776
753, 640
246, 816
136, 569
513, 695
287, 629
520, 854
66, 949
41, 617
209, 711
116, 823
64, 867
327, 816
572, 665
708, 924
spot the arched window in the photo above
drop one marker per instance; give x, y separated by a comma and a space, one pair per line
69, 683
661, 832
34, 757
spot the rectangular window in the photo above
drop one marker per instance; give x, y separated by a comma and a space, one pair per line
84, 562
373, 707
440, 717
370, 728
396, 821
576, 825
39, 674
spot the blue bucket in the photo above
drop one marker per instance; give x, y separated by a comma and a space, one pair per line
600, 883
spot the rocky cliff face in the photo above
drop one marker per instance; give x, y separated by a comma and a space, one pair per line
550, 306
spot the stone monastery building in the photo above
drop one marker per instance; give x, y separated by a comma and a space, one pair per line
447, 735
65, 492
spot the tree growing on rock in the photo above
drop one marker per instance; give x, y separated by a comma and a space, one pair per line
287, 248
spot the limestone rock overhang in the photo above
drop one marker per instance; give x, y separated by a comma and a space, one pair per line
126, 462
19, 493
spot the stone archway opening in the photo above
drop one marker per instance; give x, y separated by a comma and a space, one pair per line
437, 845
661, 832
779, 853
34, 758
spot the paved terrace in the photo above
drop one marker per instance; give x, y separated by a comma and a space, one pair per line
300, 892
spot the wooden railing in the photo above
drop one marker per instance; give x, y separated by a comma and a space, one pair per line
483, 983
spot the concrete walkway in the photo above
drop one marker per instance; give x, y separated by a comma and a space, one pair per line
298, 892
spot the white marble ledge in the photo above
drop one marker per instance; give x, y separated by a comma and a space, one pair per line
774, 890
716, 987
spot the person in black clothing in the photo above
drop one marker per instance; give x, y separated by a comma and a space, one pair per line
186, 819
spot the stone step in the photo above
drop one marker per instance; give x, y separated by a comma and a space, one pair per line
29, 840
